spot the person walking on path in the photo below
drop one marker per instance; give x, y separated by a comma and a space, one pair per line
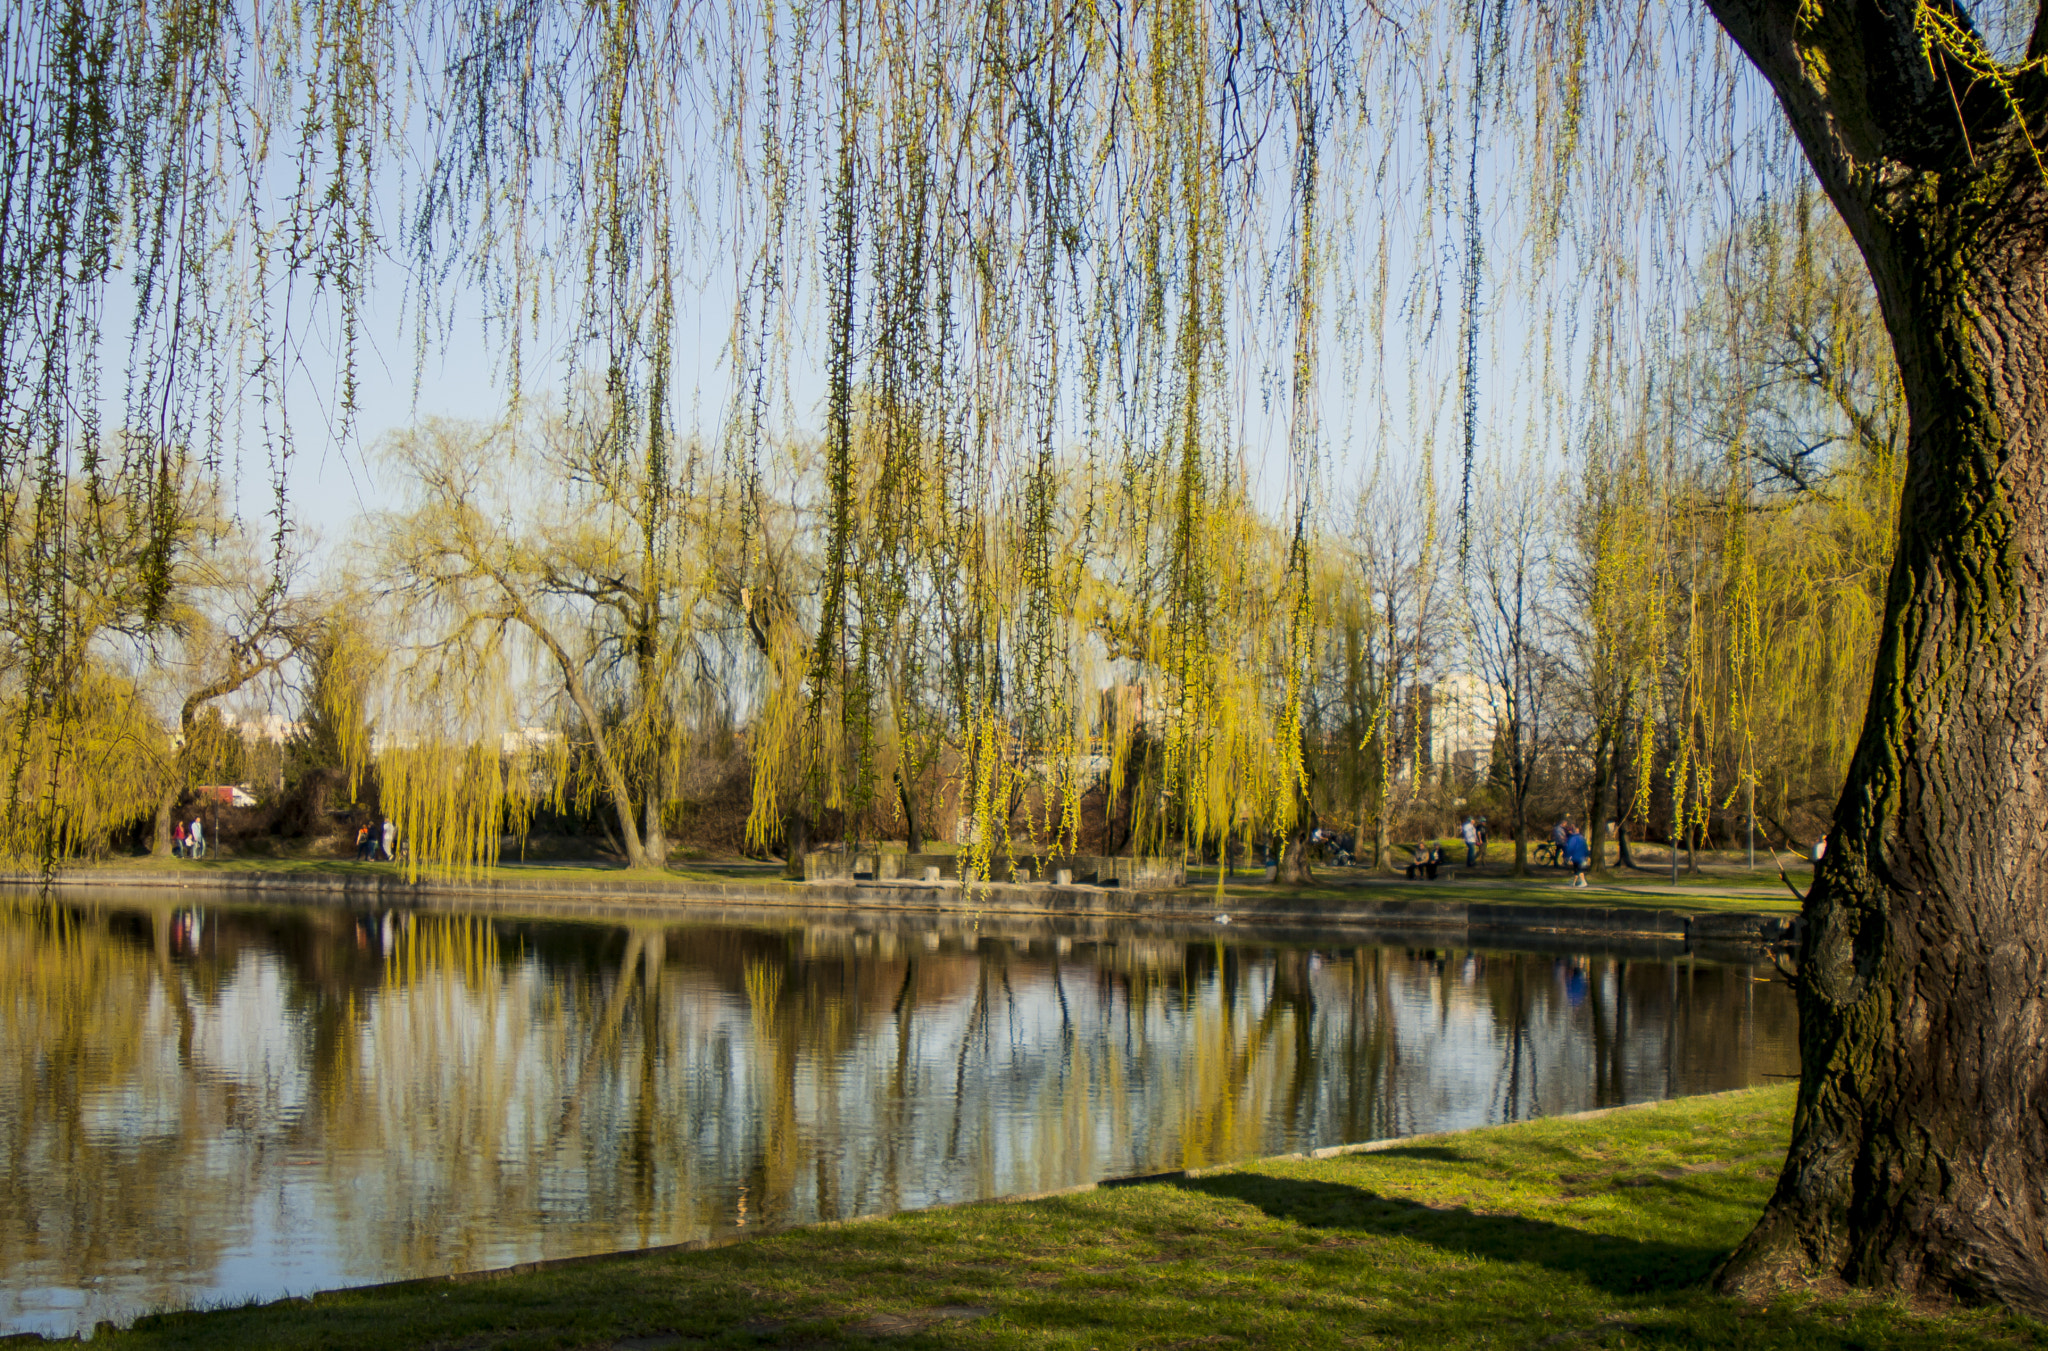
178, 840
1471, 833
1551, 851
197, 838
363, 843
390, 839
1578, 855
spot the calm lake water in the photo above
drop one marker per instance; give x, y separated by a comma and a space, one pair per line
212, 1102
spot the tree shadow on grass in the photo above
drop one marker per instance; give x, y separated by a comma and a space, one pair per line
1621, 1266
1431, 1153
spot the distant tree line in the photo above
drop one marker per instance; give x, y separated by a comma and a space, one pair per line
560, 618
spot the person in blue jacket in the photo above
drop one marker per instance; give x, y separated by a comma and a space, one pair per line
1577, 854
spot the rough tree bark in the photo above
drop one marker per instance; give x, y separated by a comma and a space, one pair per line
1603, 791
1622, 857
796, 842
913, 833
1294, 869
1919, 1155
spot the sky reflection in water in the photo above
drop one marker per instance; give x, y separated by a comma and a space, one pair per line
217, 1103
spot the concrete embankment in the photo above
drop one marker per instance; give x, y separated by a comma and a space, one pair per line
1447, 920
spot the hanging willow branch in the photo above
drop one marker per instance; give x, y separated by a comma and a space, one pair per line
1017, 303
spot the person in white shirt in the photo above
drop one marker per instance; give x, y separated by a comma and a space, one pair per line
1471, 833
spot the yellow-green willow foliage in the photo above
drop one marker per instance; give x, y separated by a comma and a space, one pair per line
906, 723
967, 361
143, 231
453, 801
969, 253
1734, 535
1614, 578
1799, 396
555, 625
83, 771
96, 727
232, 624
344, 662
1226, 754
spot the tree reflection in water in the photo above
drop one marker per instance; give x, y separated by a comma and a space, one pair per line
236, 1101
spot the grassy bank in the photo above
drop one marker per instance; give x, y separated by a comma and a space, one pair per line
1335, 888
235, 865
1631, 895
1578, 1233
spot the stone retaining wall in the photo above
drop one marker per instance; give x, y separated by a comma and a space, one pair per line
1096, 870
1453, 920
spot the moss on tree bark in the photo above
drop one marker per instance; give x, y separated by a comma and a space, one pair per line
1919, 1156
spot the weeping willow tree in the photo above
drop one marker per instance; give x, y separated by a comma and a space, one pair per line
1728, 548
1611, 574
233, 624
1797, 413
539, 557
168, 608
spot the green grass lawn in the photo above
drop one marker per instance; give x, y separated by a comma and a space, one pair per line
1335, 887
1625, 894
508, 870
1576, 1233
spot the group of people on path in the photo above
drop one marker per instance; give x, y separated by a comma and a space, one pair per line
1474, 831
1567, 847
188, 839
376, 841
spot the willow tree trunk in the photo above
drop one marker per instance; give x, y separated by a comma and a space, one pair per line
1919, 1156
654, 834
913, 833
1622, 857
1382, 828
1603, 792
796, 842
1294, 869
160, 840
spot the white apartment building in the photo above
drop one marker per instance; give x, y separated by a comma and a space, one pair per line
1449, 722
1461, 724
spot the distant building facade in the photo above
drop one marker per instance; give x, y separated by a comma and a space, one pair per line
1447, 726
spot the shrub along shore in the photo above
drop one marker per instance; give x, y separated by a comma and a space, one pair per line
1592, 1231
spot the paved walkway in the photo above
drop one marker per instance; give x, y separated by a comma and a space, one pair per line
1766, 884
